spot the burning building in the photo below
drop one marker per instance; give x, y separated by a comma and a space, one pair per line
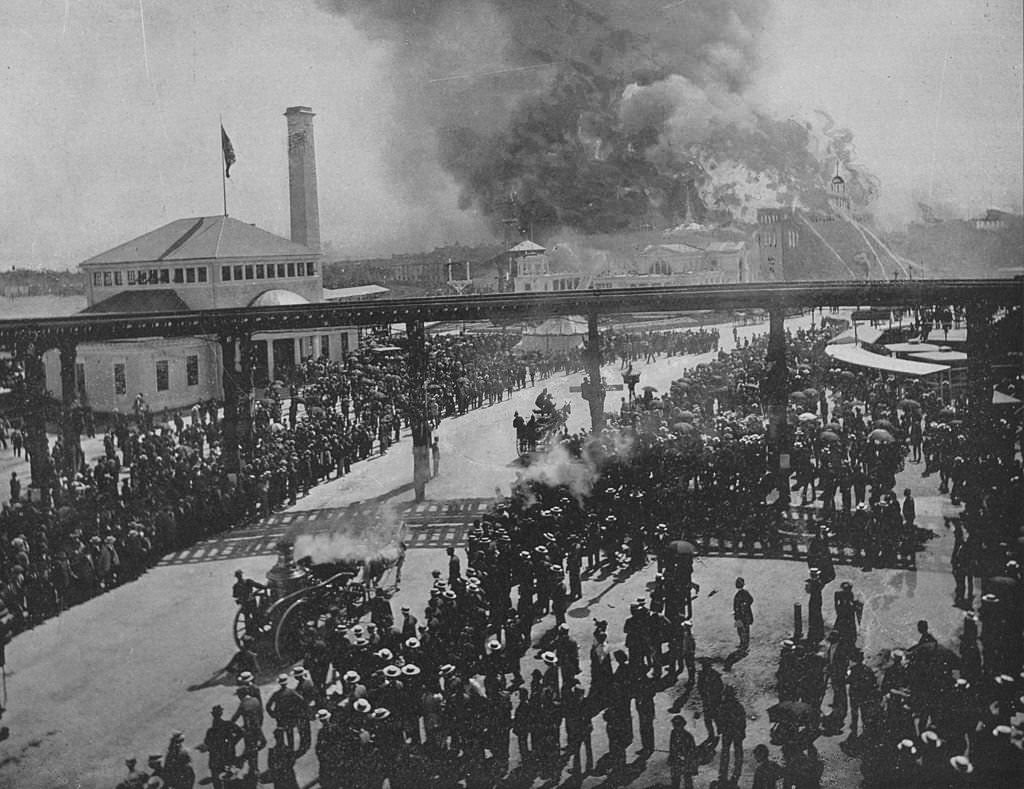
831, 243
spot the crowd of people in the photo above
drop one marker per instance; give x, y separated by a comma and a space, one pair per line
162, 484
433, 696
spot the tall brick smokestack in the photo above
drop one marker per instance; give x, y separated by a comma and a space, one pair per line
302, 177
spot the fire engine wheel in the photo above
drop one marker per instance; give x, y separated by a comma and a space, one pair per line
287, 643
238, 629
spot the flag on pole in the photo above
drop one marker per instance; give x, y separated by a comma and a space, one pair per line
229, 151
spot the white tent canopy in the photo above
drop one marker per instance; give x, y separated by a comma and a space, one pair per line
855, 355
554, 335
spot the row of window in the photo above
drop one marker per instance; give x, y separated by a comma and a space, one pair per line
304, 268
186, 275
190, 275
163, 375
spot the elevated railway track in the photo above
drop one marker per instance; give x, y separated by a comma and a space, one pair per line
51, 332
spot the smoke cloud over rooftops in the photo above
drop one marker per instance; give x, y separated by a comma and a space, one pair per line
597, 115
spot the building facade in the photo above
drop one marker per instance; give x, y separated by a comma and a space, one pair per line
199, 263
700, 260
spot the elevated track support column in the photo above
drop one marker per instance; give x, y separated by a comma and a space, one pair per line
980, 418
419, 411
593, 392
29, 351
776, 395
70, 414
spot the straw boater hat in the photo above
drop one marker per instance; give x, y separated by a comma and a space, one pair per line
392, 671
446, 670
350, 676
412, 643
962, 765
550, 658
384, 654
362, 705
410, 670
298, 671
931, 738
245, 678
380, 714
282, 679
907, 746
494, 645
323, 716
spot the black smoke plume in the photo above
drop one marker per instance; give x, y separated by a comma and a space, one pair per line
597, 115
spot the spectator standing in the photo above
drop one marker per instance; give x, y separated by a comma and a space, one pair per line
742, 611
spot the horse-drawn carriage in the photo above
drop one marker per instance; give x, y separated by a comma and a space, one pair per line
301, 595
545, 424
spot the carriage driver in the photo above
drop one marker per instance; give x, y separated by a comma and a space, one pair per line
545, 402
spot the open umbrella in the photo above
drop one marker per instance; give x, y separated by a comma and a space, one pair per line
834, 426
682, 548
807, 416
683, 427
908, 405
811, 393
880, 436
883, 424
828, 435
686, 416
650, 389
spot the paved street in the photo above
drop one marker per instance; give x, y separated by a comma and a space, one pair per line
113, 677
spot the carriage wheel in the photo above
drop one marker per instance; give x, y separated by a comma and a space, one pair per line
287, 641
238, 629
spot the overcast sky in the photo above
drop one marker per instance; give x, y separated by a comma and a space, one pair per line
111, 107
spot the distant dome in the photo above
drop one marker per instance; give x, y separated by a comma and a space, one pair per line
838, 179
278, 298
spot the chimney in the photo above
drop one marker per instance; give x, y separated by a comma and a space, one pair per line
302, 177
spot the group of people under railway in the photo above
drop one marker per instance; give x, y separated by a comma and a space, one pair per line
648, 346
526, 561
161, 483
469, 688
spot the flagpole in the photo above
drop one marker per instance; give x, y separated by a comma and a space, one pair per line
223, 167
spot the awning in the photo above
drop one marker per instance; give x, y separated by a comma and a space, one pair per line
911, 347
940, 337
941, 357
855, 355
868, 334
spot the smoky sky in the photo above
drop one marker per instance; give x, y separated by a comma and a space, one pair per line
594, 112
564, 104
